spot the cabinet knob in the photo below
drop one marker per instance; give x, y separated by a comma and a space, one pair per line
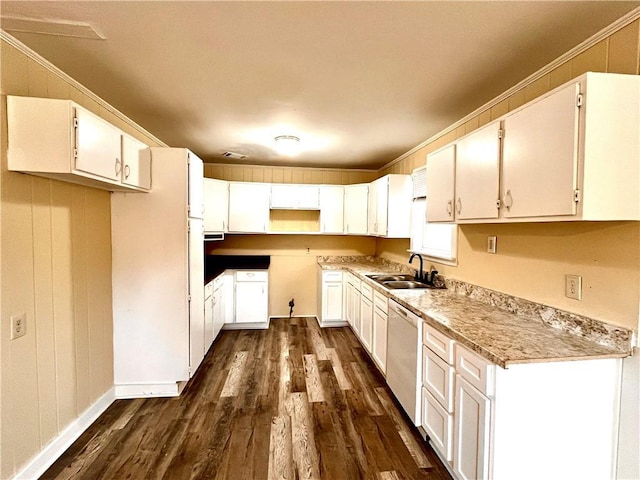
127, 171
449, 207
118, 166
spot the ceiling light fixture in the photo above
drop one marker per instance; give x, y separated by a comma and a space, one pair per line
287, 145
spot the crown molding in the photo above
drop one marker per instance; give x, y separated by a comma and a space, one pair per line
22, 48
620, 23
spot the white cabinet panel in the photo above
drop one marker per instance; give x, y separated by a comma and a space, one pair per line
196, 186
196, 294
438, 423
294, 196
438, 377
440, 184
477, 174
540, 157
98, 146
472, 429
355, 209
251, 296
136, 158
248, 207
379, 348
332, 301
332, 209
216, 205
208, 316
366, 322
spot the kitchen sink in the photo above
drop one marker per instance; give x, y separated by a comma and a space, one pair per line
401, 281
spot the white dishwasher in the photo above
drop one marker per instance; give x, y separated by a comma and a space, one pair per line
404, 365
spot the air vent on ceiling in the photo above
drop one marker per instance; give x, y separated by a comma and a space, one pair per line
235, 156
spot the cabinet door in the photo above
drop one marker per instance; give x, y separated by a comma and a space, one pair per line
136, 158
349, 304
308, 197
355, 209
196, 294
440, 184
472, 421
357, 318
218, 302
216, 205
98, 146
284, 196
251, 302
382, 206
366, 321
208, 322
248, 207
332, 209
196, 186
540, 159
477, 174
332, 301
380, 322
438, 423
372, 210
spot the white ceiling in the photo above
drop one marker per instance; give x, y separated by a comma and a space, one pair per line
359, 82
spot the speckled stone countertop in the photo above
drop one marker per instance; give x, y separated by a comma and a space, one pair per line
496, 333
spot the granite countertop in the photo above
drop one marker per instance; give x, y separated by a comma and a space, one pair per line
502, 337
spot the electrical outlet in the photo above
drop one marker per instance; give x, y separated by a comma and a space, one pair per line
573, 286
18, 325
492, 244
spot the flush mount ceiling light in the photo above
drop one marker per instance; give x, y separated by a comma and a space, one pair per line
287, 145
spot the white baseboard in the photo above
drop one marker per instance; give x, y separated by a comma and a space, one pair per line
148, 390
49, 454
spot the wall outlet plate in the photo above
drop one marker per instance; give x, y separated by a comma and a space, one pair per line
573, 286
492, 244
18, 325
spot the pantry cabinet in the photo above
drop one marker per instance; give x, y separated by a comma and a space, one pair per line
62, 140
356, 208
216, 205
248, 207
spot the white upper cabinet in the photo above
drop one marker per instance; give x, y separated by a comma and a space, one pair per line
136, 161
60, 139
478, 173
441, 168
292, 196
574, 154
540, 156
216, 205
196, 186
249, 207
390, 194
355, 209
332, 209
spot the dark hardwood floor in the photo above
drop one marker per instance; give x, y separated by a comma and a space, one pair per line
291, 402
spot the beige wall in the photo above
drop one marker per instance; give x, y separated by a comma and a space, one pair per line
532, 259
55, 261
293, 272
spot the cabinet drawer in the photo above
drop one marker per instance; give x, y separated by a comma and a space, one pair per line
438, 423
251, 276
437, 378
474, 369
439, 343
366, 291
381, 301
355, 281
332, 276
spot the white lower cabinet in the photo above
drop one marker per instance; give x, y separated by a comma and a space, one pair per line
380, 325
528, 421
330, 297
366, 316
251, 297
472, 424
208, 315
218, 301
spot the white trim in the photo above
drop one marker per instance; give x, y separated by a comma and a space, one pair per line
22, 48
294, 167
148, 390
609, 30
49, 454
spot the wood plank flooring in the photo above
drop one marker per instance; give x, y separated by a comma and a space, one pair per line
291, 402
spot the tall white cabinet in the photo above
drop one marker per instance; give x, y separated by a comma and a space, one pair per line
158, 279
